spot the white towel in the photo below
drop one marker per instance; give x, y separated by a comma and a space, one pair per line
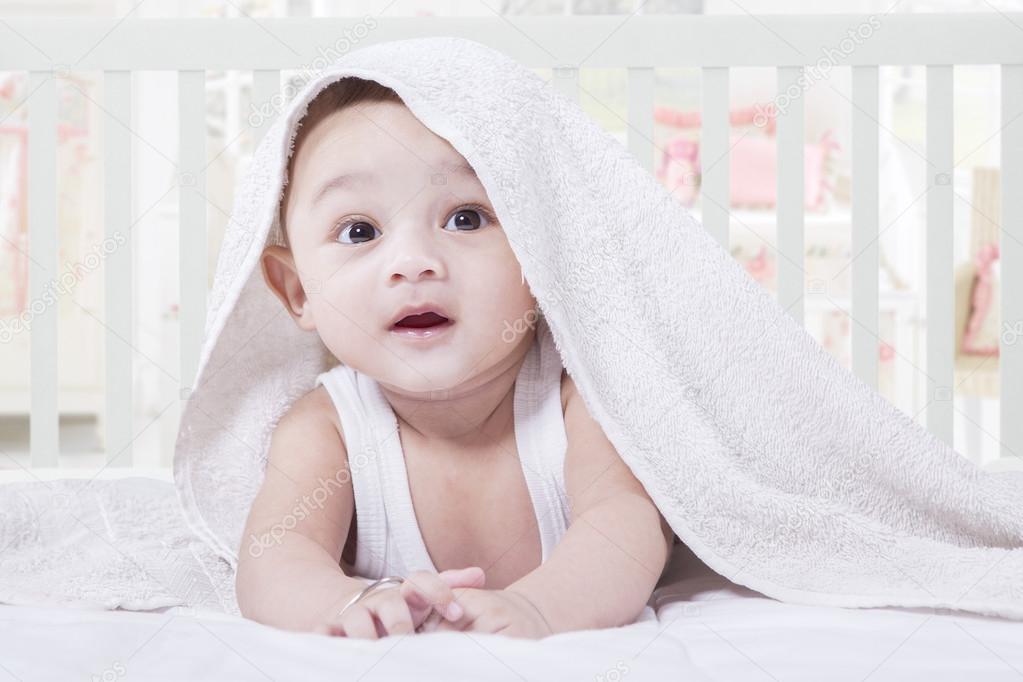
776, 465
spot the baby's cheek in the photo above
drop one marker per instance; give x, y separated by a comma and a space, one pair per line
509, 290
345, 332
519, 303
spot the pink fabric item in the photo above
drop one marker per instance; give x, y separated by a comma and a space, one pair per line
752, 163
981, 337
758, 115
761, 266
680, 169
753, 170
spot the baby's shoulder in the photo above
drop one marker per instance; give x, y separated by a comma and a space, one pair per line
316, 410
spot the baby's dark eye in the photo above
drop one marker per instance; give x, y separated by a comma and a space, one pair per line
466, 219
358, 232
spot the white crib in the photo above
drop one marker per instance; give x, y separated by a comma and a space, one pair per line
50, 49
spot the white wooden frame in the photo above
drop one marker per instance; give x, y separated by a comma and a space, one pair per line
46, 48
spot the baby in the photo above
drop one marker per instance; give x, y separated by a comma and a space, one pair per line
392, 254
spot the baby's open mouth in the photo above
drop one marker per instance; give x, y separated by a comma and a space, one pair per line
421, 321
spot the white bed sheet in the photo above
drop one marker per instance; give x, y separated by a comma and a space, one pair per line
700, 627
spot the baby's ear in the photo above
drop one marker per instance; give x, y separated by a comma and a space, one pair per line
281, 275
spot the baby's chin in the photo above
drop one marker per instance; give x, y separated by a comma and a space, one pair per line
430, 371
436, 375
435, 364
437, 380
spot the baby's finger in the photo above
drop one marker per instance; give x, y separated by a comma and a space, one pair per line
358, 622
395, 617
471, 576
424, 591
441, 625
474, 604
431, 622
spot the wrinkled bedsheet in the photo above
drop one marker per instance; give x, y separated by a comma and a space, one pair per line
698, 625
704, 628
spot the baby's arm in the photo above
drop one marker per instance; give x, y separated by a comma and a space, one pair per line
604, 569
289, 574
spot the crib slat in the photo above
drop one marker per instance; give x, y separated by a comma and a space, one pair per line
566, 80
42, 310
192, 228
864, 307
266, 96
714, 186
117, 266
940, 292
791, 274
641, 116
1011, 247
608, 41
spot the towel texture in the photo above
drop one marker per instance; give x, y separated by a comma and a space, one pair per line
776, 465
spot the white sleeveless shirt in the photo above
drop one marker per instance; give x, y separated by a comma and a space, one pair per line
389, 540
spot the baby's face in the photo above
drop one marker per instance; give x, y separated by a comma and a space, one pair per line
411, 226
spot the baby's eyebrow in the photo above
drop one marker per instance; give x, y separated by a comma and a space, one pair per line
347, 180
339, 182
458, 168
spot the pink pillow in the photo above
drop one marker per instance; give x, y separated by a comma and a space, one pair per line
981, 336
753, 170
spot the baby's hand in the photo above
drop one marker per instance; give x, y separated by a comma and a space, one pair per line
504, 612
390, 611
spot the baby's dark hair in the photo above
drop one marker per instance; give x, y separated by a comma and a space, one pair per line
339, 95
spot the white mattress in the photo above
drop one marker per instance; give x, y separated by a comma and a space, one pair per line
700, 627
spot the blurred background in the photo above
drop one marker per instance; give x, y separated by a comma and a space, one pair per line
230, 140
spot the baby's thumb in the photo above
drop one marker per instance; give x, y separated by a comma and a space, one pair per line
472, 576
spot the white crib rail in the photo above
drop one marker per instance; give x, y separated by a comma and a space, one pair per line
45, 48
1011, 370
